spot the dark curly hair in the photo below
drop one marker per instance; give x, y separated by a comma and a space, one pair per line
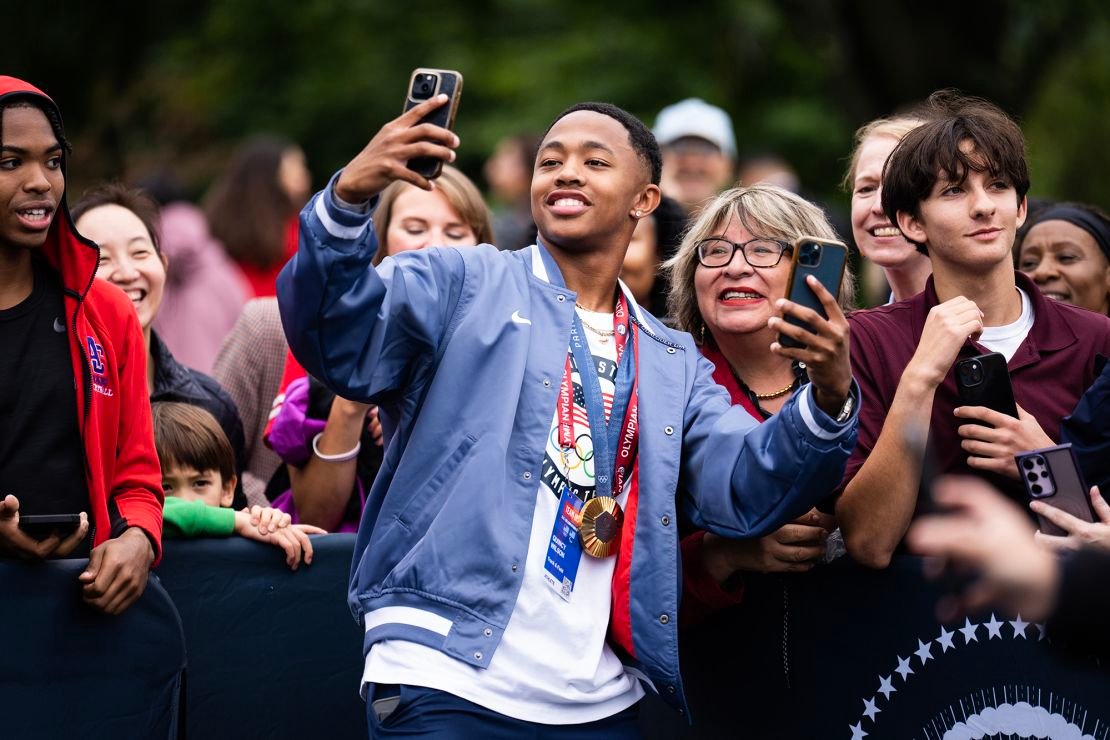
639, 136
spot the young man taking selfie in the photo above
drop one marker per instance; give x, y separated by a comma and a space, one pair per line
516, 569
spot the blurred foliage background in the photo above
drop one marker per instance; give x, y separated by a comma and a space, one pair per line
174, 85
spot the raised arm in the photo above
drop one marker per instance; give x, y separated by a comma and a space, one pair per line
876, 506
356, 328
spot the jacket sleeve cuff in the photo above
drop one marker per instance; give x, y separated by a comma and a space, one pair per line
820, 424
702, 595
341, 220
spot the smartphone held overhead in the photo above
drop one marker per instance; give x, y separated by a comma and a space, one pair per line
426, 84
825, 259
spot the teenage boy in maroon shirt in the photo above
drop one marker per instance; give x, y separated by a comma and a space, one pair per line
956, 186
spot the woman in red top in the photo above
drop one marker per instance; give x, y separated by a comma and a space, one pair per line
726, 279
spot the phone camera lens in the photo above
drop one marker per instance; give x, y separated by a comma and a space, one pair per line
1027, 464
1037, 490
1032, 477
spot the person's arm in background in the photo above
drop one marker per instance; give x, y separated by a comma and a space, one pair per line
354, 327
877, 504
325, 483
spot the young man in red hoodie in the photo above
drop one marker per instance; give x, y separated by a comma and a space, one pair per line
76, 434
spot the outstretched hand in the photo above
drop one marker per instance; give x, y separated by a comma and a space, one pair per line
385, 158
825, 350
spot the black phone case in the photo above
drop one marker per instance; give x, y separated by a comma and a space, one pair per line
450, 84
829, 271
40, 526
1063, 487
995, 392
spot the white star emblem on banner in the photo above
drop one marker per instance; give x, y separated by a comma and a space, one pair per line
924, 651
945, 639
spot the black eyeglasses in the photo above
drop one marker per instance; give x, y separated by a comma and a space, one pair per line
758, 252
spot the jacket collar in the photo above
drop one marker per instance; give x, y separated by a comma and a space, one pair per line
74, 257
546, 269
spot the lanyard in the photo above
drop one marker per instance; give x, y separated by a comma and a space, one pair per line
614, 445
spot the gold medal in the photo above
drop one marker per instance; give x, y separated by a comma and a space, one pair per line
600, 528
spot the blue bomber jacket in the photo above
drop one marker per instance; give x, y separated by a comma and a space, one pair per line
464, 350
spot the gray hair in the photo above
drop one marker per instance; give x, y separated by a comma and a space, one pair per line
764, 210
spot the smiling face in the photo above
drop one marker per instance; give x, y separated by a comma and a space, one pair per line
128, 259
422, 218
1067, 265
968, 225
739, 298
877, 238
31, 180
208, 486
588, 183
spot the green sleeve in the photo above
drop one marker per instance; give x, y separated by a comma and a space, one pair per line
183, 518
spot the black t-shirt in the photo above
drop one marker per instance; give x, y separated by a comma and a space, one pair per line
42, 460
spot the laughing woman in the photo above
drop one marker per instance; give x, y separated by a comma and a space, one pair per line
726, 280
122, 222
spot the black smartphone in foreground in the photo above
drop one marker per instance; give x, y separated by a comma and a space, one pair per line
985, 381
41, 526
1052, 475
824, 259
424, 85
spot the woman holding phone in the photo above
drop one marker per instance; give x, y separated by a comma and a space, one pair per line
729, 283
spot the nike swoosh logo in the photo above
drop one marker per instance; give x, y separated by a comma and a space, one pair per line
59, 326
518, 319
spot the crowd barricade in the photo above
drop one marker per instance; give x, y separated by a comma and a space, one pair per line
273, 653
848, 652
67, 671
841, 652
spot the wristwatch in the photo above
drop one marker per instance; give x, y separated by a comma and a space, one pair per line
847, 408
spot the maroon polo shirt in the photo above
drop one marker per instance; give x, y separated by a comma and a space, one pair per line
1049, 372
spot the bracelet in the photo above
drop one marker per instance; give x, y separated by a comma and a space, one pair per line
341, 457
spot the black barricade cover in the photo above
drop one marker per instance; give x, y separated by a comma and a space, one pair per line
272, 653
67, 671
866, 657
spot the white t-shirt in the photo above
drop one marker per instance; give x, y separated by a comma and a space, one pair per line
553, 665
1006, 339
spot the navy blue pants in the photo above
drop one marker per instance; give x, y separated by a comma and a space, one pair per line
429, 713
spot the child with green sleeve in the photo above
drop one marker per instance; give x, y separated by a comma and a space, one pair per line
198, 479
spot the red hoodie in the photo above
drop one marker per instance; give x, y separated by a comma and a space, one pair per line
122, 474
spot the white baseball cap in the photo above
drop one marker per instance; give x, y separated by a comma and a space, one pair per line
695, 117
